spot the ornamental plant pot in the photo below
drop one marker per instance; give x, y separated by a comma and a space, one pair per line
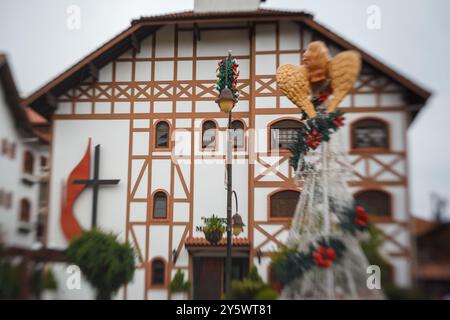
214, 236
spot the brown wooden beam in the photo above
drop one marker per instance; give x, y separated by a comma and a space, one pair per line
251, 30
44, 255
51, 101
135, 43
197, 34
93, 71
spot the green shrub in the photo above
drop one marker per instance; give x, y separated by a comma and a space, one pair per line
371, 249
254, 275
266, 294
178, 284
106, 263
396, 293
246, 289
42, 280
283, 266
251, 288
49, 280
9, 280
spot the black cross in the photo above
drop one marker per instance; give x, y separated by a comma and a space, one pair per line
95, 183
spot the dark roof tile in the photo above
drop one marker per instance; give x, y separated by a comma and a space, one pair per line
200, 242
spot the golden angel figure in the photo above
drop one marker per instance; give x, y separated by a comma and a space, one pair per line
317, 72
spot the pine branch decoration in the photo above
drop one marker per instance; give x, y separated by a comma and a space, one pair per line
228, 66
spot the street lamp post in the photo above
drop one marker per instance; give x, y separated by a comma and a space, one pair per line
226, 102
228, 262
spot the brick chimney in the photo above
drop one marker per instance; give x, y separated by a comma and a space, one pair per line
226, 5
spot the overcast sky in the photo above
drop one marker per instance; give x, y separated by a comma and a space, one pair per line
414, 39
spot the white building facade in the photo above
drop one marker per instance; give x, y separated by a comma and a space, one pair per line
157, 78
23, 165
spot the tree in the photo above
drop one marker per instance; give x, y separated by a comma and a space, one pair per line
106, 263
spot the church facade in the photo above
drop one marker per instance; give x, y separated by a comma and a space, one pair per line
147, 99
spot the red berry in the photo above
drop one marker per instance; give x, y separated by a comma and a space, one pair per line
318, 257
364, 216
360, 222
331, 254
326, 263
360, 209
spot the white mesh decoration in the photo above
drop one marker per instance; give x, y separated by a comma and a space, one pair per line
325, 194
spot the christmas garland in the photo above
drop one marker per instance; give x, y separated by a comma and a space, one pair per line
312, 133
354, 219
230, 67
291, 264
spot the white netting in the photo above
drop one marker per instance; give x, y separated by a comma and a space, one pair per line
324, 198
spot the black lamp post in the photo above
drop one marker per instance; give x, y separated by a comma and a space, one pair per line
226, 102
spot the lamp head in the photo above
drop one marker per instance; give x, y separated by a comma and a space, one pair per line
226, 100
238, 224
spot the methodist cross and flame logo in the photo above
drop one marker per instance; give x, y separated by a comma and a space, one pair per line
77, 181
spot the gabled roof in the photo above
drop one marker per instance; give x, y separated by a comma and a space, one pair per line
25, 119
11, 94
41, 100
202, 242
422, 226
438, 229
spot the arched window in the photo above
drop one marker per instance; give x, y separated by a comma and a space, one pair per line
209, 135
376, 202
238, 133
284, 133
160, 205
158, 272
25, 207
162, 135
370, 133
44, 162
28, 162
283, 203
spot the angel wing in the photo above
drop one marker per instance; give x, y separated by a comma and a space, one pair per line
343, 71
293, 82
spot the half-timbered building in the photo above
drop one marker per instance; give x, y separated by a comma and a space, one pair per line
24, 144
147, 98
